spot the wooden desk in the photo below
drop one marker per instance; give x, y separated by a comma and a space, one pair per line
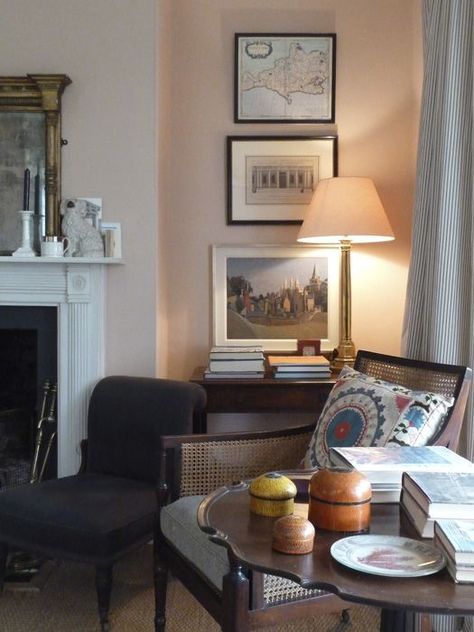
226, 517
262, 395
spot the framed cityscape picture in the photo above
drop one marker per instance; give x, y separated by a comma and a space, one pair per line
285, 78
271, 179
275, 296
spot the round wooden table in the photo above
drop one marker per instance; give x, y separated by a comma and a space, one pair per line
226, 517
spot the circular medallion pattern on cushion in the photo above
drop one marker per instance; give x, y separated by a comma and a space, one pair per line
351, 417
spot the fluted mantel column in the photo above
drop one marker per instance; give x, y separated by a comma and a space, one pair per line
77, 289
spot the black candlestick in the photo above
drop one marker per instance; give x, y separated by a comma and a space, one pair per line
37, 193
26, 190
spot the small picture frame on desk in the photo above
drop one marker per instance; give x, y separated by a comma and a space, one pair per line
308, 347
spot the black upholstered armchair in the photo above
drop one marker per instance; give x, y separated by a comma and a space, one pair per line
109, 508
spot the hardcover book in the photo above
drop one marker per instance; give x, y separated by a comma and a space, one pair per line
236, 353
233, 375
387, 464
302, 375
236, 365
298, 368
445, 494
302, 361
456, 538
461, 575
423, 524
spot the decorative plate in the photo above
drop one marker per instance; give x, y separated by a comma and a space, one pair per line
391, 556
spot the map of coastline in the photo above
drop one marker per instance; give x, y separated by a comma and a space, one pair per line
298, 72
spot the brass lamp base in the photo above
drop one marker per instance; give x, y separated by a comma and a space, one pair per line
344, 355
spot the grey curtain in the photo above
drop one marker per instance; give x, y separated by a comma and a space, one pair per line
439, 314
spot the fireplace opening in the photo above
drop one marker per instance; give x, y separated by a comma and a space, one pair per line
28, 359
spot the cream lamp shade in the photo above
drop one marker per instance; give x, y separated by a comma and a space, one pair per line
347, 208
345, 211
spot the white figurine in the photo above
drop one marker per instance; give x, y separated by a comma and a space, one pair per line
84, 239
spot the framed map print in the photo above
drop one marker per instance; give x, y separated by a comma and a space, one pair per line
275, 295
285, 78
271, 179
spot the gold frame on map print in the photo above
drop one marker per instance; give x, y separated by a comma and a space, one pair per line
257, 53
279, 157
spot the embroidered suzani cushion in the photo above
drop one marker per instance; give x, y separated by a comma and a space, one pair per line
365, 411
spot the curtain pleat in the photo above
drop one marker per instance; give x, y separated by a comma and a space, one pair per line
439, 313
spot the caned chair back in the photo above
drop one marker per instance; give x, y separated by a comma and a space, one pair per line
444, 379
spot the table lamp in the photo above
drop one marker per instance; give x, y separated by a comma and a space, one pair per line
345, 210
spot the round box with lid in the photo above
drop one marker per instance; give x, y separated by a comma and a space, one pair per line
339, 500
293, 534
272, 494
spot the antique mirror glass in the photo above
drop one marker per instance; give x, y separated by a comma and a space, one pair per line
30, 165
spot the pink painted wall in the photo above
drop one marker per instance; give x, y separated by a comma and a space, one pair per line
378, 91
109, 119
148, 136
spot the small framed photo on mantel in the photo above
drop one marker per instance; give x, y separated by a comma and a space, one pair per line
271, 179
285, 78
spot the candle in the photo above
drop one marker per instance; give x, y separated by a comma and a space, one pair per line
26, 190
37, 193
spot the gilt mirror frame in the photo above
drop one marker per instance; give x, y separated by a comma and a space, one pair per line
39, 93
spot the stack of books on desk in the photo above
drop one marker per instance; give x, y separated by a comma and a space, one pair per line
299, 367
455, 538
385, 466
236, 362
430, 496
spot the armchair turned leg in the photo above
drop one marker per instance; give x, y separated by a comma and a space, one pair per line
160, 574
3, 563
103, 583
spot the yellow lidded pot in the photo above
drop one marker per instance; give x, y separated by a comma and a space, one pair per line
272, 494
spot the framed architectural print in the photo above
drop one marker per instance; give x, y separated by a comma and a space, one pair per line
275, 296
285, 78
271, 179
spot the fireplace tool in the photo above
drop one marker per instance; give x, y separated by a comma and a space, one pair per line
23, 566
45, 432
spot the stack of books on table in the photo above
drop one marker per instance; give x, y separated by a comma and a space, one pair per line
430, 496
455, 538
385, 466
235, 362
299, 367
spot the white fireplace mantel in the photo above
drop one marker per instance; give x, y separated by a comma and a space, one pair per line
76, 287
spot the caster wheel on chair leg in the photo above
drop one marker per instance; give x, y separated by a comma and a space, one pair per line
345, 616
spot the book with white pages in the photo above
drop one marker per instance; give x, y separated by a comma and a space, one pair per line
304, 375
456, 538
386, 464
233, 375
295, 368
226, 366
423, 524
442, 494
236, 353
385, 494
298, 361
460, 574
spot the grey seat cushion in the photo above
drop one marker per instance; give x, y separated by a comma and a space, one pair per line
179, 526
